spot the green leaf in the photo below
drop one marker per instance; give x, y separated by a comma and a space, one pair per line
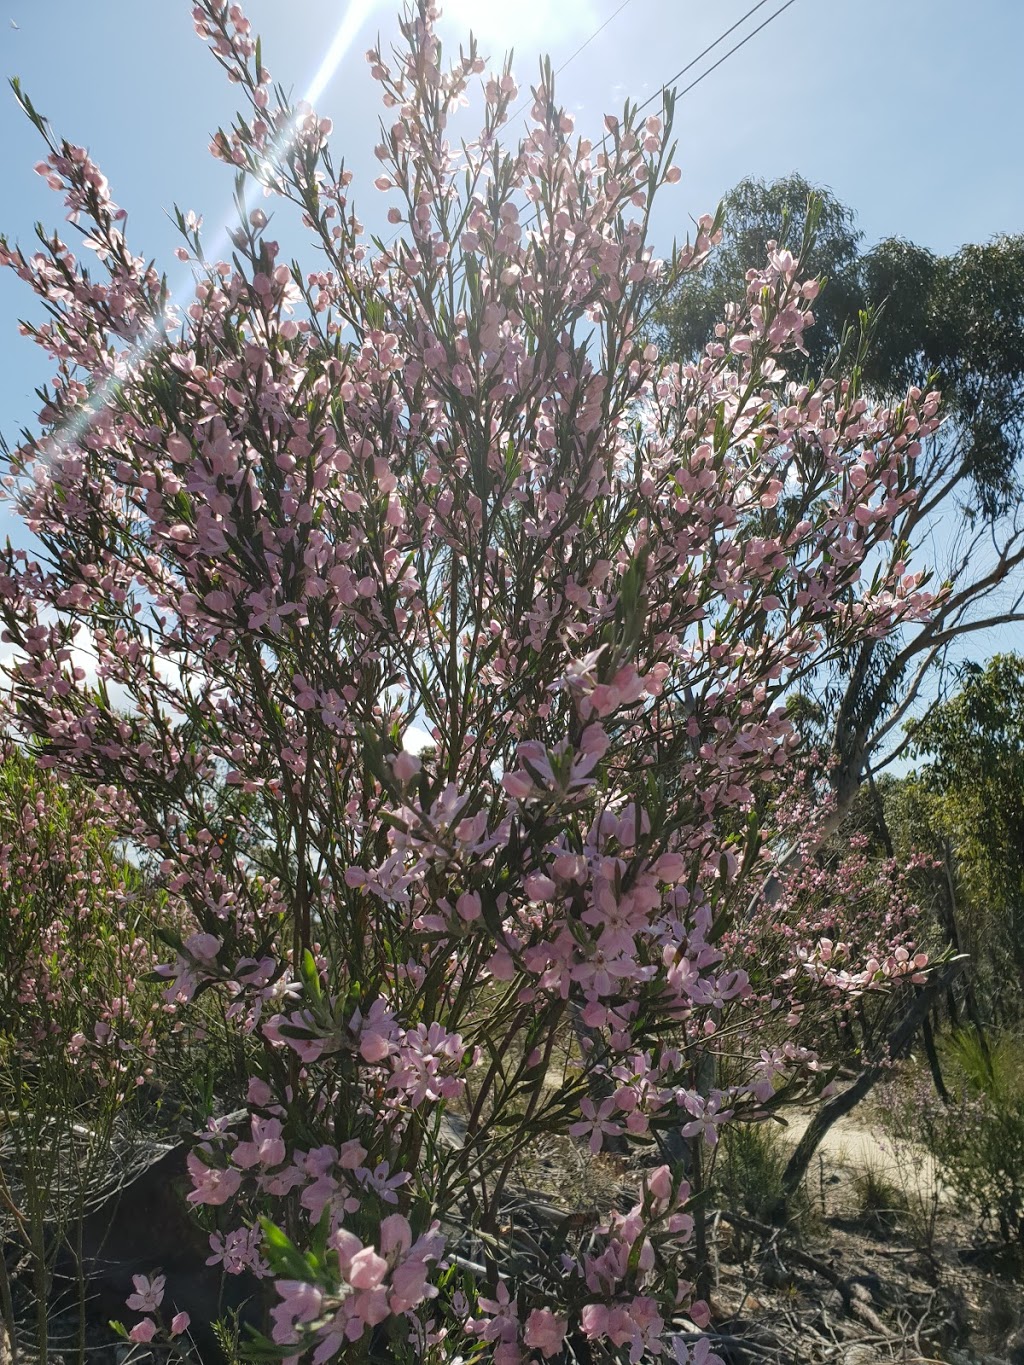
311, 977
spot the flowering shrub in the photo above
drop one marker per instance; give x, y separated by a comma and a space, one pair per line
81, 1034
444, 484
842, 930
72, 942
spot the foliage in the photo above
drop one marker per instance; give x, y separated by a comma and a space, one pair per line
880, 1200
912, 1169
748, 1170
912, 314
957, 317
447, 482
970, 795
843, 926
978, 1139
71, 909
755, 215
79, 1031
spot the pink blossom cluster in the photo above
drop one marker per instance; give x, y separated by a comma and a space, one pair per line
609, 1281
371, 1284
447, 484
147, 1298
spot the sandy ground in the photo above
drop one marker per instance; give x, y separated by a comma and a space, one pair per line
852, 1146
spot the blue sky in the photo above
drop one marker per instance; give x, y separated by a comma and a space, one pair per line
908, 109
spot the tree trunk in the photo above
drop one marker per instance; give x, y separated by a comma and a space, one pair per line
933, 1060
899, 1041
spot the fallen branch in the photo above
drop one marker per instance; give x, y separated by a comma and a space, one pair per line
853, 1304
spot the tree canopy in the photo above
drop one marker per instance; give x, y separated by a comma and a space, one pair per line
959, 316
973, 784
890, 316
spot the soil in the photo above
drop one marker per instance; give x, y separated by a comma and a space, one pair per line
880, 1266
877, 1264
851, 1145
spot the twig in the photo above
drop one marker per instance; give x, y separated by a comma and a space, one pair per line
854, 1306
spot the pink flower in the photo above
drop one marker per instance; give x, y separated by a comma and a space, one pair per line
382, 1182
698, 1354
545, 1331
238, 1250
266, 1148
259, 1092
596, 1122
143, 1331
148, 1294
659, 1183
375, 1031
708, 1116
301, 1303
408, 1286
373, 1046
469, 906
367, 1269
395, 1234
203, 947
594, 1320
179, 1324
502, 1321
351, 1154
211, 1184
519, 785
700, 1313
405, 766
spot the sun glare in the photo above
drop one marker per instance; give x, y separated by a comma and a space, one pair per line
356, 14
529, 26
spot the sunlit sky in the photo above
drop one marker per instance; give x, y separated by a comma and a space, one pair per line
909, 109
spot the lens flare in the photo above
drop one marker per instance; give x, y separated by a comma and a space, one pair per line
356, 14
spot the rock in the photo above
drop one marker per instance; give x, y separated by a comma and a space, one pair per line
143, 1226
1015, 1347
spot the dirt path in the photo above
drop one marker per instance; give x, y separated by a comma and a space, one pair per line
853, 1147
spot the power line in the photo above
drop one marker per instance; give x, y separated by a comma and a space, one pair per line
585, 44
595, 33
690, 64
711, 47
742, 43
683, 70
